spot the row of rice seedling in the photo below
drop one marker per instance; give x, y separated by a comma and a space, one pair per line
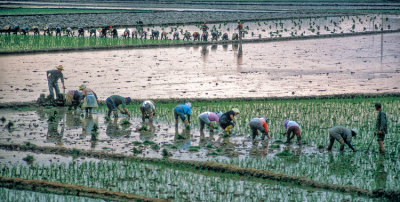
164, 183
23, 195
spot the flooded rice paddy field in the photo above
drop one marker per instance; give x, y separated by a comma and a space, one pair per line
71, 129
160, 182
364, 64
311, 26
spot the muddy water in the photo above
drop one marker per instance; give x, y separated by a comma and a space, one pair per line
359, 64
73, 130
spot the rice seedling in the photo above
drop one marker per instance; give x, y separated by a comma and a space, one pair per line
29, 159
10, 125
3, 119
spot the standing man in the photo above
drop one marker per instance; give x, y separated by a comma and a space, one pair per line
227, 120
342, 135
52, 78
180, 111
148, 110
381, 126
259, 124
292, 127
113, 103
240, 29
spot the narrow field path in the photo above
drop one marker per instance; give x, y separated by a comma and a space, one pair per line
68, 189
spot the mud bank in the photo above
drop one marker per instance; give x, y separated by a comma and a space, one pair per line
67, 189
177, 100
213, 167
330, 66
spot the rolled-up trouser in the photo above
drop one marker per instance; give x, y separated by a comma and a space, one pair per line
178, 112
204, 120
225, 122
54, 85
256, 125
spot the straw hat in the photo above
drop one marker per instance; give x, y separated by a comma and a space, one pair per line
236, 110
60, 67
355, 130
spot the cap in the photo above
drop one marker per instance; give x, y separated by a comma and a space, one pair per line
355, 130
60, 67
128, 100
236, 110
81, 87
188, 104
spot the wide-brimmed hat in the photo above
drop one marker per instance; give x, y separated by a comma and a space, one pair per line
60, 67
236, 110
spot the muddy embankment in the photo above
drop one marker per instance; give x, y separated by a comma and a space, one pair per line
68, 189
393, 195
183, 100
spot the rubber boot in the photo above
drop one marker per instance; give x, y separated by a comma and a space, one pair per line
381, 147
228, 129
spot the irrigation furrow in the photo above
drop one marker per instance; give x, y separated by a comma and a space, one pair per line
68, 189
212, 167
191, 43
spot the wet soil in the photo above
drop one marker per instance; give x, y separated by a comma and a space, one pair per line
365, 64
73, 130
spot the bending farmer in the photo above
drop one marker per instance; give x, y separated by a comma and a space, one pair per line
148, 110
73, 98
342, 135
52, 78
180, 111
381, 126
207, 118
259, 124
292, 127
114, 101
89, 98
227, 120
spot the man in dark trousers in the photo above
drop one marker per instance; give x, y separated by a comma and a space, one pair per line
381, 126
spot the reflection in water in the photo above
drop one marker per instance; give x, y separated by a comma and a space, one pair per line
149, 133
259, 148
204, 141
204, 53
87, 125
114, 129
238, 55
73, 119
380, 175
228, 148
182, 140
52, 131
214, 47
225, 47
